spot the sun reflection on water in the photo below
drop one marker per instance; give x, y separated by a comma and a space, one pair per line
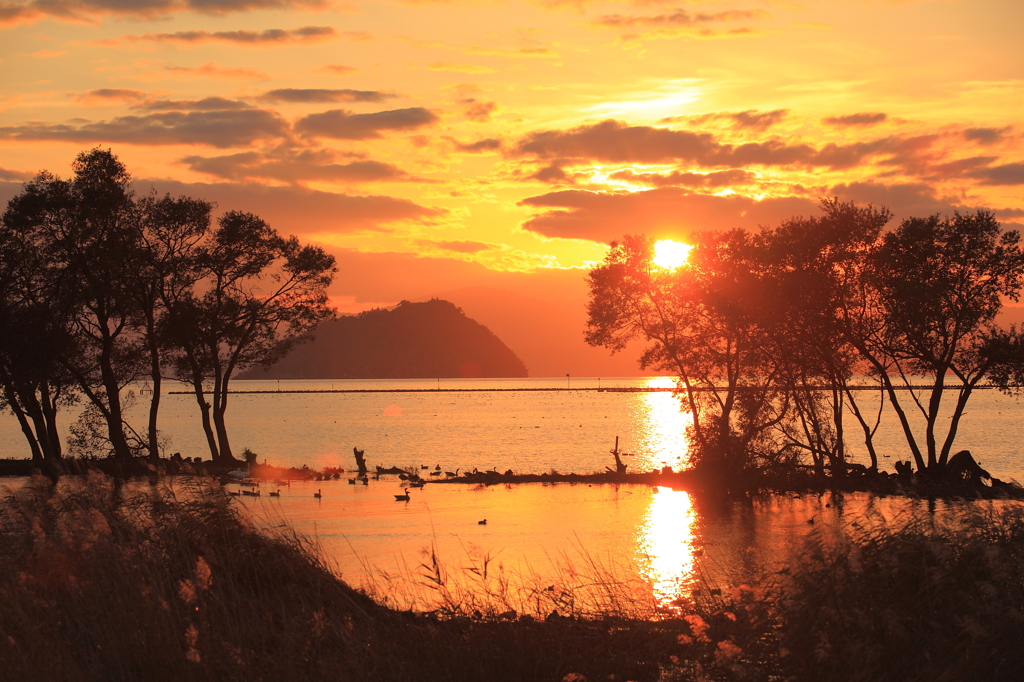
661, 429
665, 544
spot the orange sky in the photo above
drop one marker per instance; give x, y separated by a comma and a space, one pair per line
489, 149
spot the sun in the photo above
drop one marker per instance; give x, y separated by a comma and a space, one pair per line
670, 254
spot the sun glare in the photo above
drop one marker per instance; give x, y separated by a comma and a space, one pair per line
670, 254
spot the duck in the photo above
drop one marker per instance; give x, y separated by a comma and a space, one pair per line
435, 473
402, 498
482, 523
452, 474
351, 481
437, 468
317, 494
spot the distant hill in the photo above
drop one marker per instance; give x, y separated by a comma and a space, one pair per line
433, 339
547, 333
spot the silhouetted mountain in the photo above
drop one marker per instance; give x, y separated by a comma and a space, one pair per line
413, 340
546, 333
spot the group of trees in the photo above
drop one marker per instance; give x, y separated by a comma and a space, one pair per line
774, 335
100, 288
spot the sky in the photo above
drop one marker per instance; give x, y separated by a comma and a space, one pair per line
486, 151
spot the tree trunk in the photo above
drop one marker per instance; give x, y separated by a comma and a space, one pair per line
50, 417
26, 428
155, 375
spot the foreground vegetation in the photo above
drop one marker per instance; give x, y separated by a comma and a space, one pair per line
102, 582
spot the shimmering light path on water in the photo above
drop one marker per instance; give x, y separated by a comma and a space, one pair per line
660, 541
533, 432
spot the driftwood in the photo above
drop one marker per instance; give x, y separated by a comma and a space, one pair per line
620, 466
360, 461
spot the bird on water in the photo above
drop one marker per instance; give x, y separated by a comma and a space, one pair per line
402, 498
317, 494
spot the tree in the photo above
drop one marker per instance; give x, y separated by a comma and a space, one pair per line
83, 233
812, 275
940, 283
170, 231
256, 295
702, 323
773, 331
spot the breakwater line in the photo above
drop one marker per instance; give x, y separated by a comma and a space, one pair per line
549, 389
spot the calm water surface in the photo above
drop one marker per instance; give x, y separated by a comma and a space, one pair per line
536, 535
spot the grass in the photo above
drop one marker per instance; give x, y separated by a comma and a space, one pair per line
101, 582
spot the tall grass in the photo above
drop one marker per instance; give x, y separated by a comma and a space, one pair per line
100, 582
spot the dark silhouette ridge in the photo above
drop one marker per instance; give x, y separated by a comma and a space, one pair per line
413, 340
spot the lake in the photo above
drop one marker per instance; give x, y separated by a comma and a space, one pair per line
537, 535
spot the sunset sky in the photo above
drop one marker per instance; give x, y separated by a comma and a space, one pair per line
493, 148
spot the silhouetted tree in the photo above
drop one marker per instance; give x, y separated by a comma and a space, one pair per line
702, 324
771, 330
940, 283
84, 233
256, 295
170, 231
812, 275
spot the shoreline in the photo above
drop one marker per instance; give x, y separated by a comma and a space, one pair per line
794, 481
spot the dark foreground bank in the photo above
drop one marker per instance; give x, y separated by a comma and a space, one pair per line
102, 582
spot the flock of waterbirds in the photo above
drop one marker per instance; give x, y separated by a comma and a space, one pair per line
251, 488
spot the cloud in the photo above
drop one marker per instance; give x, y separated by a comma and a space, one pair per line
1006, 174
959, 166
109, 96
680, 18
296, 210
751, 119
459, 68
8, 175
273, 36
459, 246
339, 69
478, 147
343, 125
904, 199
92, 11
727, 178
1009, 212
213, 128
986, 135
664, 212
676, 212
478, 112
205, 104
320, 95
615, 141
211, 70
293, 167
862, 120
